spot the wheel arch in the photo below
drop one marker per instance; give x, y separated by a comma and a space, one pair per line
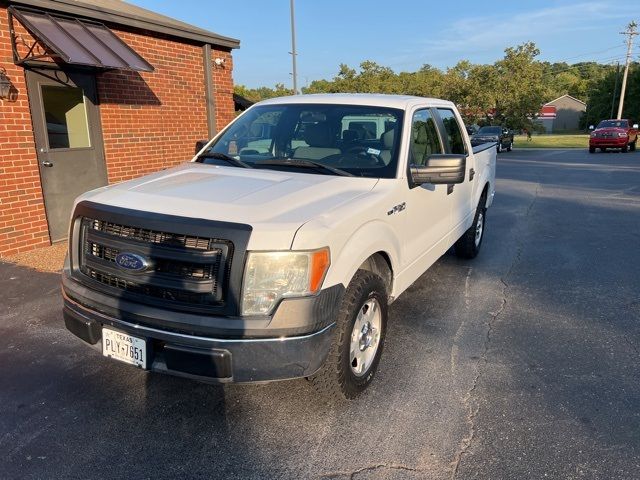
380, 264
485, 195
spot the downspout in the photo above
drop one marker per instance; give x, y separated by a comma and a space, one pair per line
208, 91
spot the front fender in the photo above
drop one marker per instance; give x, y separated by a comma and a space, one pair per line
350, 248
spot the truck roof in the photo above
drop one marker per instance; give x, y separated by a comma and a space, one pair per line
373, 99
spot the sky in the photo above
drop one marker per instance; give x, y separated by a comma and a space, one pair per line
401, 34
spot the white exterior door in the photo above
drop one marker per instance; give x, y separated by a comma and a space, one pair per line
428, 207
461, 198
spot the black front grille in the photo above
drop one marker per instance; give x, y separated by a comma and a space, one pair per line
182, 270
152, 236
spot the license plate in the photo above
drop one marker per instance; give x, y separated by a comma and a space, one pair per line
124, 347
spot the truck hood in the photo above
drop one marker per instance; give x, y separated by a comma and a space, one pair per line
610, 130
274, 203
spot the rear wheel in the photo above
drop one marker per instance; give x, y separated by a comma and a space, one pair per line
358, 341
510, 147
469, 244
592, 149
499, 147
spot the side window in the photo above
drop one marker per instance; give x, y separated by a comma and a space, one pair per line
424, 137
452, 127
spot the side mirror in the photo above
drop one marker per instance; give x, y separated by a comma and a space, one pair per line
635, 125
591, 127
200, 144
440, 169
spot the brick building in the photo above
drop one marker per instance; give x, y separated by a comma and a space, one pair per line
94, 92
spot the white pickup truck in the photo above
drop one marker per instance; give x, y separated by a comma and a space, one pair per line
276, 251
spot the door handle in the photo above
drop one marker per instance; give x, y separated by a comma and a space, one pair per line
47, 163
472, 173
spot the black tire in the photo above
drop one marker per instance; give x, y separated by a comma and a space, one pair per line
603, 149
592, 149
624, 149
510, 147
632, 146
467, 245
499, 147
336, 379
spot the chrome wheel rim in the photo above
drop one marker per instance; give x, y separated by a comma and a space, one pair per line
365, 337
479, 228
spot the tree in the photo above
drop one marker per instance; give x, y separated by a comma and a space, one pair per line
262, 93
602, 102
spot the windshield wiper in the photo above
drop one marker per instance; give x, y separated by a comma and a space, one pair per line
228, 158
288, 162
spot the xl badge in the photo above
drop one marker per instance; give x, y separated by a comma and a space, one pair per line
132, 262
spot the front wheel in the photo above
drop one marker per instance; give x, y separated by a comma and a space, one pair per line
632, 146
358, 339
499, 147
592, 149
624, 149
468, 246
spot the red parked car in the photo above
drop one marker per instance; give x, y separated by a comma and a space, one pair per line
613, 134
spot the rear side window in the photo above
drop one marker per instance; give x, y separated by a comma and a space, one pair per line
453, 131
424, 137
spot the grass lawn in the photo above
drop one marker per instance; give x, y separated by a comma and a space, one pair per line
552, 141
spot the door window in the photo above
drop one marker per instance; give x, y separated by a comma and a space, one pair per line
424, 137
452, 129
65, 117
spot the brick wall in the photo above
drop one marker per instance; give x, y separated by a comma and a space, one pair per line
23, 224
150, 121
223, 88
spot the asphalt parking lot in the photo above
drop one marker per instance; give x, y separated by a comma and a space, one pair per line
521, 364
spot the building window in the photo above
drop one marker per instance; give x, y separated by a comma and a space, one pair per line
66, 117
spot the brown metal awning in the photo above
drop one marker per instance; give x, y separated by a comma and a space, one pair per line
81, 42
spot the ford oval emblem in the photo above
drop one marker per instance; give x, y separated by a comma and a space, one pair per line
132, 262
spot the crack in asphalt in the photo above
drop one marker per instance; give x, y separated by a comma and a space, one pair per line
352, 475
465, 443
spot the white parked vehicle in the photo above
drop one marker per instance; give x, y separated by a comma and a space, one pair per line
279, 261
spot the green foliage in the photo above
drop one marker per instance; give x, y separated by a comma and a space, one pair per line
603, 105
509, 92
262, 93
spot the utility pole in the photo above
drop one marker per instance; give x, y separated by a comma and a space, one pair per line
293, 49
630, 32
615, 89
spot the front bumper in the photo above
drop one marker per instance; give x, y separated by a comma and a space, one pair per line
208, 359
610, 142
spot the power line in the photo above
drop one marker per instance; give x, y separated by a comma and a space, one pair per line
590, 53
579, 67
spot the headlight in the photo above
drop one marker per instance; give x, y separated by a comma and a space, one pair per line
622, 134
593, 134
272, 276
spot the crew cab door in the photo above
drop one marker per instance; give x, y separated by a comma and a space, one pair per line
461, 195
428, 207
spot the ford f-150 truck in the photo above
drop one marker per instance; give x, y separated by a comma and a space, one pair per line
274, 254
613, 134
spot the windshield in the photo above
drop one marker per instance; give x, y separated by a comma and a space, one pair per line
490, 131
312, 138
613, 124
